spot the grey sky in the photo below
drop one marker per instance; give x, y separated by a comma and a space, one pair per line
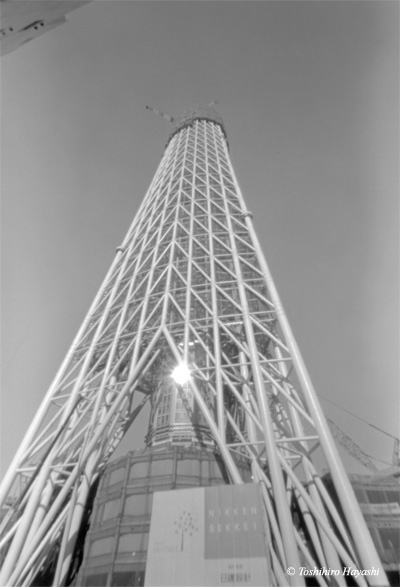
309, 95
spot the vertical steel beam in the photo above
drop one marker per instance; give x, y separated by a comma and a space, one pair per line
284, 516
361, 536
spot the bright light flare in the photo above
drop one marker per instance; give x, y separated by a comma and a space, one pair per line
181, 374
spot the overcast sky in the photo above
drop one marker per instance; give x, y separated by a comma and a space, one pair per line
309, 95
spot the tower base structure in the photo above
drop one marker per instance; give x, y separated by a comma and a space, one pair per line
116, 545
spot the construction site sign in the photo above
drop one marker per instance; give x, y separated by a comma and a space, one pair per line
207, 536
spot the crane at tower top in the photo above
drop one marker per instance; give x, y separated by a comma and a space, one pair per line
170, 118
162, 114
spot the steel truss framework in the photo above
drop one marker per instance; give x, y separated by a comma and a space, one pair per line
189, 274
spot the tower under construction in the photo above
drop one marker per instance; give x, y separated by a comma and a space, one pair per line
188, 321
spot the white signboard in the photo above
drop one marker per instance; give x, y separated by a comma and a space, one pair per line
207, 536
381, 509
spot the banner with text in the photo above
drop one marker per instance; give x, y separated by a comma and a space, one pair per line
208, 536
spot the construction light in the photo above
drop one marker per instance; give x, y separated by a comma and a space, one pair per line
181, 374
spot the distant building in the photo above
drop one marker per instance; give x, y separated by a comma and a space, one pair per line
379, 499
22, 21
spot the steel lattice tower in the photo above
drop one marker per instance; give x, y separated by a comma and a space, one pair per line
189, 286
